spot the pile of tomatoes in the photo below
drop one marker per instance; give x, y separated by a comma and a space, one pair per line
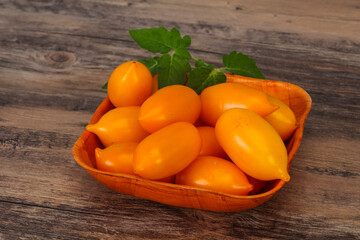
228, 139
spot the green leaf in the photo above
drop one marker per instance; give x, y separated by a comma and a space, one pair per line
238, 63
151, 64
183, 53
172, 70
176, 41
186, 41
104, 86
159, 40
202, 77
152, 39
200, 63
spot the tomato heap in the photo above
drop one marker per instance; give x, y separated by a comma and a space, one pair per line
228, 139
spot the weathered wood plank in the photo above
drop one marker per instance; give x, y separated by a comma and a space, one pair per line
339, 87
58, 189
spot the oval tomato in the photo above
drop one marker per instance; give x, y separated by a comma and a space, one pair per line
283, 119
167, 151
117, 158
130, 84
221, 97
215, 174
119, 125
210, 145
170, 104
252, 144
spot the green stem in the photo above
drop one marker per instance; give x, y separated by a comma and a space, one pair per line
221, 69
197, 60
194, 59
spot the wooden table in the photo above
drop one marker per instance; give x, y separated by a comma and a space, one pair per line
56, 55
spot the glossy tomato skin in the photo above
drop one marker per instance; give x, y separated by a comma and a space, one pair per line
215, 174
119, 125
210, 145
117, 158
218, 98
252, 144
130, 84
167, 151
283, 119
168, 105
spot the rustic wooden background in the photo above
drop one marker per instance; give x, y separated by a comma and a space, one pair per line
56, 55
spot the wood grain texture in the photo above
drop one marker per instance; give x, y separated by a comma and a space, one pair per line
55, 56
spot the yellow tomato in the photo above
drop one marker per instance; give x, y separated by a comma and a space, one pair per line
170, 104
119, 125
283, 119
210, 145
215, 174
130, 84
220, 97
117, 158
167, 151
252, 144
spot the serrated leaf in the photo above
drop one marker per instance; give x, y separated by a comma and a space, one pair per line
172, 70
174, 38
199, 63
186, 41
183, 53
202, 77
176, 41
152, 39
104, 86
238, 63
159, 40
151, 64
210, 66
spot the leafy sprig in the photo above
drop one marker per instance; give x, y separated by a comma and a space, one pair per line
173, 64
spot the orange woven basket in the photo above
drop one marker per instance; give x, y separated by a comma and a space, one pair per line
183, 196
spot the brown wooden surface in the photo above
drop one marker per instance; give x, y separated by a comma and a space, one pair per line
55, 56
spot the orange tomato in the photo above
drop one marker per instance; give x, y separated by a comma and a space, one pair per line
283, 119
117, 158
130, 84
170, 104
220, 97
167, 151
156, 82
215, 174
252, 144
210, 145
119, 125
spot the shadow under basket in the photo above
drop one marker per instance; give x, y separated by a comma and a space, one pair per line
184, 196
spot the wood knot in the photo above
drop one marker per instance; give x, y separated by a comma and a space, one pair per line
60, 59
